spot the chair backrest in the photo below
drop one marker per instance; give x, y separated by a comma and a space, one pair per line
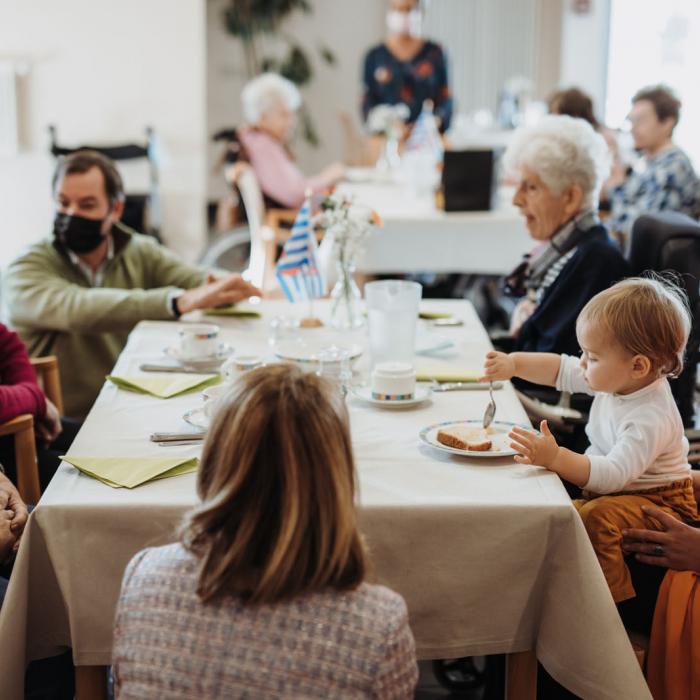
670, 242
242, 175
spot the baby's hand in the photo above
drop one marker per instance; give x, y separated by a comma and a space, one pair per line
498, 365
534, 449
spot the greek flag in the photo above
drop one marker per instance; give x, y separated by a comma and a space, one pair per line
297, 270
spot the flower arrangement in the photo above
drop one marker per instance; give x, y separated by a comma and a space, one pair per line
347, 225
387, 119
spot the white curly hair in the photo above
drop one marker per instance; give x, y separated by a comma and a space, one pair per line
562, 151
266, 91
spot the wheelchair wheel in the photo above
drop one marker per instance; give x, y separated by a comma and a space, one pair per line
466, 673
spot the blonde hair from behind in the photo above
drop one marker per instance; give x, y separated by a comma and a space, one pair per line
646, 316
277, 485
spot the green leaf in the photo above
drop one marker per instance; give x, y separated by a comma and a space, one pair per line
327, 55
296, 66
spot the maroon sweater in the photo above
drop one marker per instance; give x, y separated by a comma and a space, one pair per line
19, 390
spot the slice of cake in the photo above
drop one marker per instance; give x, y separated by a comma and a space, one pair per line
463, 438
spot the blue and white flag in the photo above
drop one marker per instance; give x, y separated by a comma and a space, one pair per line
297, 270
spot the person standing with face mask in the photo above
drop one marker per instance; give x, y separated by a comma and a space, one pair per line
78, 294
406, 68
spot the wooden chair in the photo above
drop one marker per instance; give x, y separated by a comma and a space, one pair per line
22, 427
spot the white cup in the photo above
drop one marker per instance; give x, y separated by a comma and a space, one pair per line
238, 365
198, 341
212, 396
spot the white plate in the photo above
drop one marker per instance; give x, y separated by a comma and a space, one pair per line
210, 361
197, 418
499, 438
307, 351
364, 393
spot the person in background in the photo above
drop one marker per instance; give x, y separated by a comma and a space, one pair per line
663, 179
406, 68
265, 594
270, 103
574, 102
560, 165
77, 294
20, 393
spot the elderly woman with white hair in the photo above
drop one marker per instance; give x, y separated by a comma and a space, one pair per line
270, 103
560, 165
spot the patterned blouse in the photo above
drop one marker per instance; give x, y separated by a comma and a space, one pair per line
666, 182
387, 80
167, 644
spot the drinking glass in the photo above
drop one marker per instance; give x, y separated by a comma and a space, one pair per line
334, 365
392, 312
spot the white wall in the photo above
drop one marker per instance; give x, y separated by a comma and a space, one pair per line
348, 28
584, 50
101, 71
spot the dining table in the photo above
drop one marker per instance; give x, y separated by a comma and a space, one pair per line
418, 236
489, 555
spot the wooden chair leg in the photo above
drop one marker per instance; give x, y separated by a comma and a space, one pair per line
521, 676
25, 461
91, 683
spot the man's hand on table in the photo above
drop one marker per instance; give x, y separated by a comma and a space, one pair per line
48, 428
7, 537
216, 292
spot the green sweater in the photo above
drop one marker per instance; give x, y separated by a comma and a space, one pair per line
56, 312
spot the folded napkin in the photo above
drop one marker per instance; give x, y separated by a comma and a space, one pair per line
432, 315
129, 472
238, 311
446, 373
165, 387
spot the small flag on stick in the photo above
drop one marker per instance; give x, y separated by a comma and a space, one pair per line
297, 270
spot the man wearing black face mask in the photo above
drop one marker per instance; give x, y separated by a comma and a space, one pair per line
78, 294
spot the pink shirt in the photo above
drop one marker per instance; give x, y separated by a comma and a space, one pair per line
279, 177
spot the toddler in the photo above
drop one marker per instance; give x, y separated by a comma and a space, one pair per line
633, 337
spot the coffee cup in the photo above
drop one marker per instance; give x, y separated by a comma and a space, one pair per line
212, 396
198, 341
238, 365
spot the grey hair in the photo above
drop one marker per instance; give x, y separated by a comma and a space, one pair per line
264, 92
563, 151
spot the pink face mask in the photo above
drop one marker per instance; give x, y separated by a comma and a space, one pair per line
404, 22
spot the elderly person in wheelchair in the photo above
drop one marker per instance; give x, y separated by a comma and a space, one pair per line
270, 104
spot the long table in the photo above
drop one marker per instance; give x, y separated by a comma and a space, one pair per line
490, 555
418, 237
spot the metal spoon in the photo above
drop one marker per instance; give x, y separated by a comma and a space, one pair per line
490, 411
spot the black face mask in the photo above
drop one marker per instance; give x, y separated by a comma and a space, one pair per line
77, 233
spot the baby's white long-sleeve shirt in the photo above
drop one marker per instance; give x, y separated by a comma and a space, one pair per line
637, 440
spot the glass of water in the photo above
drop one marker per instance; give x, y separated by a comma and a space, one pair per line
392, 312
334, 365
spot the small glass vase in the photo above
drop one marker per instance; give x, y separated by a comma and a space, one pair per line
346, 312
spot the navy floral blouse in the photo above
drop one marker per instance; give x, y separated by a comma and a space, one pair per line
387, 80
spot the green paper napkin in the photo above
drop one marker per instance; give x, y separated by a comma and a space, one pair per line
130, 472
165, 387
446, 373
237, 311
432, 315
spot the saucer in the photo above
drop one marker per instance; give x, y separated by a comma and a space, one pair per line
364, 393
208, 361
197, 418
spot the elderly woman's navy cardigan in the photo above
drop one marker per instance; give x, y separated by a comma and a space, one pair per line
596, 264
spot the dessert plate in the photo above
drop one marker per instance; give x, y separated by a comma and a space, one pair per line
498, 432
364, 393
308, 351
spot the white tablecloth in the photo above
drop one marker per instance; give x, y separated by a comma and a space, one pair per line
418, 237
489, 555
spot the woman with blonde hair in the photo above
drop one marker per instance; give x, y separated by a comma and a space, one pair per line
264, 594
